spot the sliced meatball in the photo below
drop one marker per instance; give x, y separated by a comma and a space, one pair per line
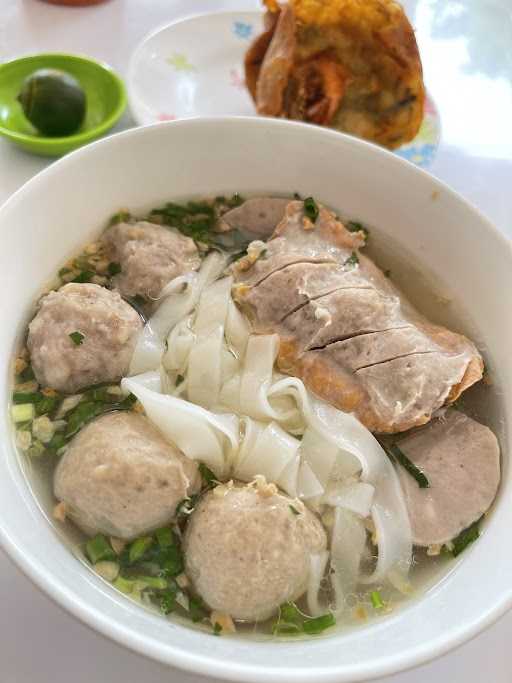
461, 460
107, 330
346, 330
120, 477
150, 256
246, 552
257, 217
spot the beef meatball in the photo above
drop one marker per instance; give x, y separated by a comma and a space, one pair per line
107, 330
150, 256
247, 552
120, 477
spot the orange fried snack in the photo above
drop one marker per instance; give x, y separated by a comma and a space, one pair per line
353, 65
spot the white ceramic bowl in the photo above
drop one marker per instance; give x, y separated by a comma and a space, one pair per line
56, 212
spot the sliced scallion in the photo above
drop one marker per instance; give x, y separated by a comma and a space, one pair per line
138, 548
22, 412
27, 397
311, 210
352, 260
207, 475
465, 538
98, 548
376, 599
77, 338
164, 537
397, 454
319, 624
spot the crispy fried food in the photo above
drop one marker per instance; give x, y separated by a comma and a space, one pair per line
350, 64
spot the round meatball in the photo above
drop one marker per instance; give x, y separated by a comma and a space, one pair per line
120, 477
150, 256
82, 334
247, 552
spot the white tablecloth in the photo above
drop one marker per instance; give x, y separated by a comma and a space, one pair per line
467, 57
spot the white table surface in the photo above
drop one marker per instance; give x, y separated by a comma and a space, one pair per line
466, 46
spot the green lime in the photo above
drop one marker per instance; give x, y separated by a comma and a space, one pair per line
53, 102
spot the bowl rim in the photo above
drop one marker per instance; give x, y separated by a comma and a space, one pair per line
204, 664
44, 141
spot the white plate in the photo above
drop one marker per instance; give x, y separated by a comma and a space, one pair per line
194, 67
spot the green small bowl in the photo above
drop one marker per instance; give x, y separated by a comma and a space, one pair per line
106, 101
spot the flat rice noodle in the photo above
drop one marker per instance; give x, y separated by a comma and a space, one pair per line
176, 304
237, 330
256, 377
179, 344
388, 510
204, 361
269, 454
319, 454
289, 478
317, 565
355, 496
308, 485
348, 542
198, 433
229, 395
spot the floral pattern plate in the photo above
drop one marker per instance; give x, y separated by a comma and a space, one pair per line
194, 67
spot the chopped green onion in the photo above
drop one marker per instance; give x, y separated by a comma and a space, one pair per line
376, 599
311, 209
196, 609
397, 454
114, 268
291, 621
294, 510
119, 217
124, 585
27, 375
217, 629
98, 548
77, 338
57, 442
355, 226
27, 397
87, 410
170, 560
36, 450
156, 582
83, 413
23, 412
164, 537
107, 570
207, 475
46, 404
352, 260
465, 538
138, 548
289, 613
84, 276
168, 601
319, 624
